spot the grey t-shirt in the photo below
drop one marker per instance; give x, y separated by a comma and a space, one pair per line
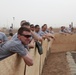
14, 36
11, 47
41, 33
37, 33
3, 37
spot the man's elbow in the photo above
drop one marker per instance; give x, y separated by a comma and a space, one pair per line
30, 63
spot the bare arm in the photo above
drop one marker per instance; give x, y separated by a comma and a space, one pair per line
34, 35
31, 44
28, 60
50, 35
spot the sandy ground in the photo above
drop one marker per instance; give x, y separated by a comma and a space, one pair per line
56, 64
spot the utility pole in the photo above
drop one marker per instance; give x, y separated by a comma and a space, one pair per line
13, 21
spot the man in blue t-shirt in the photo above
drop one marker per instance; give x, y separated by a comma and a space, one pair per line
3, 37
18, 46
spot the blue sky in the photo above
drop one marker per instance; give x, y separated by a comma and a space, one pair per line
54, 13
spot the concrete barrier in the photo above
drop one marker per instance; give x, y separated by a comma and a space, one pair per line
39, 60
64, 43
14, 65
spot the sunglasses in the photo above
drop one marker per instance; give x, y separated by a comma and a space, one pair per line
27, 36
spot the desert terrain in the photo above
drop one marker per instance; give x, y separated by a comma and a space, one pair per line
56, 64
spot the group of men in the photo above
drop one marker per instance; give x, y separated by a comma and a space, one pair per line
65, 30
23, 40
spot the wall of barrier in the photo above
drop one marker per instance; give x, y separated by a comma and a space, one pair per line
64, 43
14, 65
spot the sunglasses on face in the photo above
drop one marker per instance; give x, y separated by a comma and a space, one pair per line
27, 36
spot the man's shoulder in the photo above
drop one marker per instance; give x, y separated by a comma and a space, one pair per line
40, 32
2, 33
13, 43
14, 36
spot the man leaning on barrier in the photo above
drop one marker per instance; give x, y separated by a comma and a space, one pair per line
18, 46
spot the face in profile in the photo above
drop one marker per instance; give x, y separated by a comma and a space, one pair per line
37, 29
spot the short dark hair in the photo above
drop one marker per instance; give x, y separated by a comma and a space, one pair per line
21, 29
36, 26
10, 34
25, 24
32, 25
23, 21
44, 25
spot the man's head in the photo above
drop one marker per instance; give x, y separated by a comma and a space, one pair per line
37, 28
50, 28
44, 27
32, 27
24, 35
26, 24
23, 21
62, 28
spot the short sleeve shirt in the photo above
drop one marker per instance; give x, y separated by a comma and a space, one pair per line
41, 33
11, 47
3, 37
37, 34
14, 36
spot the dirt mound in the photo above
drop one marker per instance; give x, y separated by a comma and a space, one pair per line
56, 64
